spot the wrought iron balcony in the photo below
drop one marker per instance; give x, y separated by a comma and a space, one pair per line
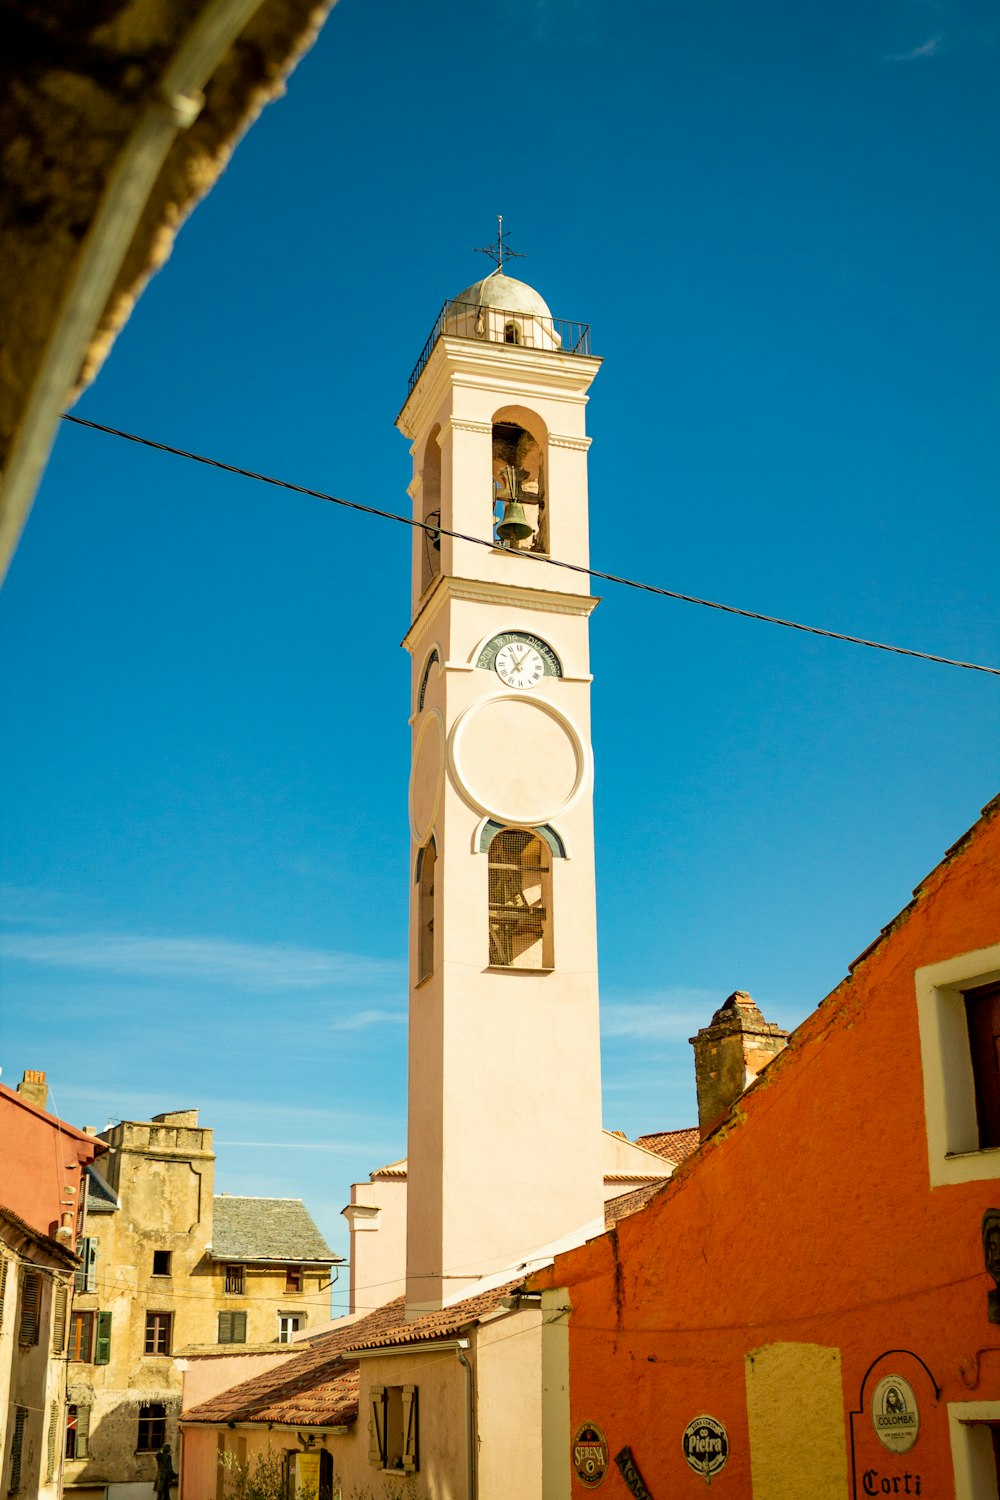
470, 320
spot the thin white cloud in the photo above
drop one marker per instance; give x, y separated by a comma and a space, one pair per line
363, 1018
674, 1015
254, 966
929, 48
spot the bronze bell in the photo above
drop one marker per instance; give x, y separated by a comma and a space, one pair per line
514, 525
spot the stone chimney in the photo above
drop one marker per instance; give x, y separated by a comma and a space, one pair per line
728, 1055
34, 1088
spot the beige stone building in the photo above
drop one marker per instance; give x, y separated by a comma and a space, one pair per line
171, 1270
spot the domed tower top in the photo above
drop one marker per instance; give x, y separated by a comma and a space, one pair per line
505, 293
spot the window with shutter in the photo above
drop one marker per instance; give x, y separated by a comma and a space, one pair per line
77, 1431
102, 1345
50, 1442
16, 1446
85, 1279
31, 1291
3, 1282
232, 1328
59, 1320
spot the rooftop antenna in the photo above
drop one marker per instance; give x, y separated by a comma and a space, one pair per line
500, 251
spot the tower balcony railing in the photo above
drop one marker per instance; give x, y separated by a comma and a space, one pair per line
469, 320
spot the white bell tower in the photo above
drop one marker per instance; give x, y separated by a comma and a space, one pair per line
504, 1147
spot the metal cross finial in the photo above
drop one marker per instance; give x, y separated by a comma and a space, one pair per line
500, 251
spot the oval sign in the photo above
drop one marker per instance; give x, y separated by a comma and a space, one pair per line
895, 1414
706, 1446
590, 1455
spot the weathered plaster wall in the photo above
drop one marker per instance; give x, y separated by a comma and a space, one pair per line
807, 1219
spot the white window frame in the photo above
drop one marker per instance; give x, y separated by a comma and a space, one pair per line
972, 1458
296, 1316
954, 1153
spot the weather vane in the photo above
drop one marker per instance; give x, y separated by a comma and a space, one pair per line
500, 251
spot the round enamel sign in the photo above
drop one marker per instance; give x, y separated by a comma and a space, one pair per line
706, 1446
895, 1414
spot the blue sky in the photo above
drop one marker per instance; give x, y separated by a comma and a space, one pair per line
782, 224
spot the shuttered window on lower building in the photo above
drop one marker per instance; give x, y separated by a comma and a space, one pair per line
77, 1431
31, 1295
16, 1448
3, 1282
59, 1319
232, 1328
50, 1442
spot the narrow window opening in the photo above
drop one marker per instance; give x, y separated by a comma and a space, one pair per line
161, 1262
520, 518
429, 540
982, 1010
425, 912
81, 1337
152, 1427
520, 870
235, 1280
293, 1278
511, 333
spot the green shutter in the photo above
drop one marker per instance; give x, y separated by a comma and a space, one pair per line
232, 1328
83, 1430
102, 1353
225, 1328
376, 1428
239, 1327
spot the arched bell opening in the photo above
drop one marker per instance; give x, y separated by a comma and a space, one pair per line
429, 542
520, 520
426, 863
520, 900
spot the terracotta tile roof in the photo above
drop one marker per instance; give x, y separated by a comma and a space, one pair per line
256, 1229
392, 1169
436, 1325
319, 1386
674, 1145
630, 1203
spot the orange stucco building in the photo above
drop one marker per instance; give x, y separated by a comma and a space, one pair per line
812, 1282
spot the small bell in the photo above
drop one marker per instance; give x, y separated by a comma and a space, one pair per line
514, 525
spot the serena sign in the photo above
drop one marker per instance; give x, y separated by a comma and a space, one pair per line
895, 1415
590, 1455
706, 1446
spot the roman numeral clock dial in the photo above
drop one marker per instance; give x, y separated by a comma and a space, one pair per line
519, 665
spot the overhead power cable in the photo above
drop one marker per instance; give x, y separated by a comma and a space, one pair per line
551, 562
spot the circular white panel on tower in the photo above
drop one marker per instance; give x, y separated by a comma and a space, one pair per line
517, 759
427, 775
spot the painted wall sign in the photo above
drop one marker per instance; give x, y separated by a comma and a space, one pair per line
634, 1482
895, 1414
590, 1455
706, 1446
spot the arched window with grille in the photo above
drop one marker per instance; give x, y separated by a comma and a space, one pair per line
427, 859
520, 900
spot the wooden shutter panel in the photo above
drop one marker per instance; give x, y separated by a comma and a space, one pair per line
410, 1454
239, 1327
85, 1279
17, 1443
83, 1432
50, 1442
3, 1282
31, 1285
102, 1349
59, 1320
225, 1328
376, 1430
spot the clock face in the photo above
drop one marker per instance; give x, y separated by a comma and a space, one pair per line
519, 665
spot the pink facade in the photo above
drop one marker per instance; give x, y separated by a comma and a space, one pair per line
42, 1161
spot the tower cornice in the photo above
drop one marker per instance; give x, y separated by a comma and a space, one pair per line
459, 361
445, 589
